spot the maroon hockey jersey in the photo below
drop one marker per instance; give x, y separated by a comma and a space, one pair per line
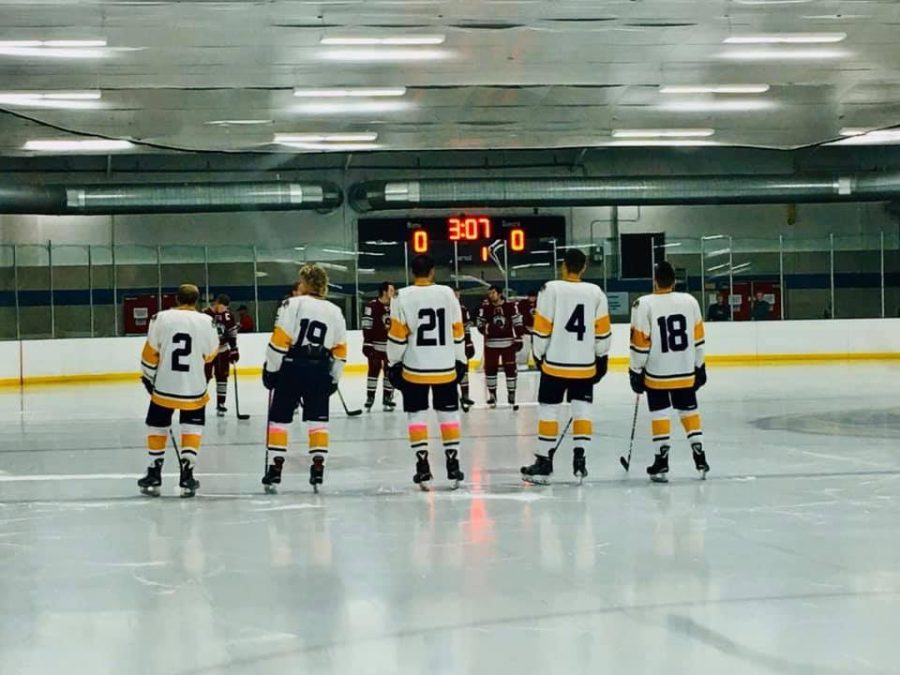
376, 322
500, 324
227, 328
527, 309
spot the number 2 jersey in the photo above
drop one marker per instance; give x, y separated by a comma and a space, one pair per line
426, 333
571, 328
667, 339
308, 320
180, 342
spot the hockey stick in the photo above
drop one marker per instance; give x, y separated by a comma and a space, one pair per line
237, 400
626, 461
268, 418
175, 445
350, 413
559, 442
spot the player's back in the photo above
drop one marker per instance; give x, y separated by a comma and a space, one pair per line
183, 340
428, 319
668, 327
579, 318
308, 319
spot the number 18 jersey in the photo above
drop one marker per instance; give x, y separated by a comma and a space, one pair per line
667, 339
427, 333
571, 328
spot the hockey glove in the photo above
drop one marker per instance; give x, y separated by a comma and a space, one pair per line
148, 385
395, 376
368, 351
461, 370
699, 377
602, 365
517, 345
234, 356
637, 381
470, 350
269, 379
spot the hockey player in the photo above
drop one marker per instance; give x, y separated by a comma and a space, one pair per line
227, 326
464, 401
304, 362
501, 324
426, 353
667, 341
375, 323
526, 307
180, 343
572, 336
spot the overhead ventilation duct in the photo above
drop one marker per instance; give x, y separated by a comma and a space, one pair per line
168, 198
643, 190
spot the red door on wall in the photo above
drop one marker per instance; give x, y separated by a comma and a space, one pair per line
139, 309
744, 293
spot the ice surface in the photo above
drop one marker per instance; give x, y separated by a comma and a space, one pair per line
786, 560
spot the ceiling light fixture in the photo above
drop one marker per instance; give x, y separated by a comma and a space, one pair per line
395, 40
662, 133
88, 145
786, 39
732, 105
64, 49
785, 54
70, 100
660, 142
237, 123
362, 107
351, 92
334, 147
714, 89
367, 55
868, 137
361, 137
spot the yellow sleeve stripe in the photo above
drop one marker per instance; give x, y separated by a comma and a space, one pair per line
602, 325
209, 358
699, 332
458, 331
149, 355
280, 338
639, 339
339, 351
399, 330
542, 325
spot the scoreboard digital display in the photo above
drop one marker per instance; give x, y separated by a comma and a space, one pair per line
471, 236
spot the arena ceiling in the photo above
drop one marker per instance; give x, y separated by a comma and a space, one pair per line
435, 74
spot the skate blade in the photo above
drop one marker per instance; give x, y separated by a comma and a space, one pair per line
150, 491
536, 480
315, 488
660, 478
580, 478
425, 485
187, 493
703, 473
270, 489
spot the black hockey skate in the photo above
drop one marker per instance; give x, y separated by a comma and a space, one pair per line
579, 465
423, 470
188, 484
700, 459
316, 472
151, 483
221, 410
466, 403
538, 473
492, 400
388, 403
454, 475
659, 471
511, 399
272, 479
370, 401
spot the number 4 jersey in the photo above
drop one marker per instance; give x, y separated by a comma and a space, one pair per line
667, 339
571, 328
180, 342
426, 333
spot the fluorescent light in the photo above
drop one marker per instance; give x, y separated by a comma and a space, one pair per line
661, 142
65, 49
397, 40
350, 93
228, 123
62, 44
710, 237
710, 106
662, 133
785, 54
376, 55
362, 137
863, 137
381, 242
855, 131
352, 107
88, 145
786, 39
334, 147
70, 100
714, 89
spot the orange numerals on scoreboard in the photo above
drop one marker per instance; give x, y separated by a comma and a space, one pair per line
468, 229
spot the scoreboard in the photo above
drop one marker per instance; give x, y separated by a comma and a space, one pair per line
470, 235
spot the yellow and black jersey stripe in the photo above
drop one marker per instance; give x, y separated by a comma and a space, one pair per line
569, 371
149, 357
677, 381
640, 341
339, 351
178, 402
280, 341
423, 376
542, 326
459, 332
602, 328
399, 332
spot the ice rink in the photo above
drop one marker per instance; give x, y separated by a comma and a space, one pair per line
786, 560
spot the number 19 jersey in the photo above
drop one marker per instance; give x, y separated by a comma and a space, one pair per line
180, 342
571, 328
426, 333
667, 339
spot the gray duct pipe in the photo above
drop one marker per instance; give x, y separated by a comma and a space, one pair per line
499, 192
167, 198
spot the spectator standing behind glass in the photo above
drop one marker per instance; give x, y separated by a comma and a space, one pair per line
761, 308
245, 321
719, 310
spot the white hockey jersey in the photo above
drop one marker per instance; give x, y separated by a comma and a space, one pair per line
426, 333
667, 339
310, 320
571, 328
180, 342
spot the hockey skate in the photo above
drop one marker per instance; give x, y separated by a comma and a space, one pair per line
538, 473
272, 479
316, 472
492, 400
579, 465
466, 403
700, 459
388, 403
423, 470
511, 399
151, 483
454, 475
221, 410
188, 484
659, 470
370, 401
